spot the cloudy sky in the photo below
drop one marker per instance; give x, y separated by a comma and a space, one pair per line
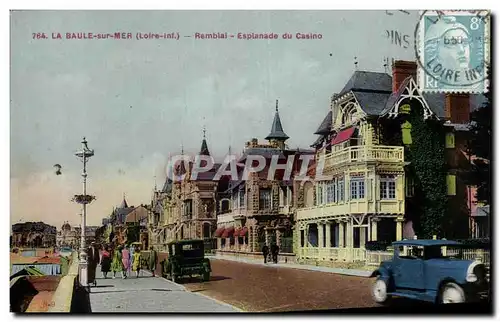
137, 101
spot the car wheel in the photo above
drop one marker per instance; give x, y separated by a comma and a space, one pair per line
379, 291
206, 276
451, 293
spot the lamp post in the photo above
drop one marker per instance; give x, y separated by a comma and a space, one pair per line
84, 154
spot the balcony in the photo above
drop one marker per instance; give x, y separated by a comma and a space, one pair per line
357, 206
364, 153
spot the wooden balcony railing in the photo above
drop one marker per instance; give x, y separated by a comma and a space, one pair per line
365, 153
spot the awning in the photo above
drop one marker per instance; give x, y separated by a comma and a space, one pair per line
343, 135
227, 232
243, 232
219, 231
237, 232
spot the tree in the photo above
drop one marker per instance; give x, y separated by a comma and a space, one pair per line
480, 147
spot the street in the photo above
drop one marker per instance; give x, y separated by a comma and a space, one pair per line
256, 288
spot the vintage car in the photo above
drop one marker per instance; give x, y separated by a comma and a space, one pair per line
186, 258
432, 271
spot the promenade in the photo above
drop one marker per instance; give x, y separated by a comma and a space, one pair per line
149, 294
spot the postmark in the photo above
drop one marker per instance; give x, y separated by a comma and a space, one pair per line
453, 51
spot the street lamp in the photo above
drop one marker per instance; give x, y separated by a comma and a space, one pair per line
84, 154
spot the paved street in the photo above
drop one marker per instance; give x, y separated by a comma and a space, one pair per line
149, 294
259, 288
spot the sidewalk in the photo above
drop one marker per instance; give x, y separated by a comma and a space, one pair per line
343, 271
150, 294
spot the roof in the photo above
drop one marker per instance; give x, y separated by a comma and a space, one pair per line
426, 242
265, 152
277, 129
373, 91
137, 215
372, 103
123, 204
326, 124
204, 148
365, 81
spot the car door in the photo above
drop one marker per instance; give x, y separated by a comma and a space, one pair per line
408, 269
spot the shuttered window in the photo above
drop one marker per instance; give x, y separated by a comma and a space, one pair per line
451, 181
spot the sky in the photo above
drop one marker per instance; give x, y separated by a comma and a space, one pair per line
138, 101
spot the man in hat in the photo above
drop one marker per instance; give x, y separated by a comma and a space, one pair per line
93, 260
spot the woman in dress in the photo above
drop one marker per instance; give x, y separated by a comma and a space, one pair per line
136, 262
116, 264
126, 260
105, 262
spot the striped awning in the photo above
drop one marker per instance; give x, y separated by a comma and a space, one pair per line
244, 232
219, 231
227, 232
343, 135
237, 232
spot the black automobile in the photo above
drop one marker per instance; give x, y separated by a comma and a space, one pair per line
186, 258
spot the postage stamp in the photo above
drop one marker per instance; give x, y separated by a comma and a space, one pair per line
453, 51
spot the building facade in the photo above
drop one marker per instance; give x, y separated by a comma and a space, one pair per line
33, 234
259, 211
367, 190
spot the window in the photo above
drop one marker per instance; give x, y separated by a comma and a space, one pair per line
188, 208
330, 192
264, 198
319, 194
409, 187
450, 140
340, 190
242, 198
387, 187
451, 183
357, 187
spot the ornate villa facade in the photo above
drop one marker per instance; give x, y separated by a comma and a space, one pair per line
367, 192
259, 211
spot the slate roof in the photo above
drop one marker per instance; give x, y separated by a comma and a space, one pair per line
204, 148
372, 103
277, 129
318, 141
326, 124
368, 82
265, 152
137, 215
124, 203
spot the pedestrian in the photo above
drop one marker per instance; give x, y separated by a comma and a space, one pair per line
152, 260
136, 262
105, 262
274, 251
126, 260
93, 260
132, 249
117, 264
265, 252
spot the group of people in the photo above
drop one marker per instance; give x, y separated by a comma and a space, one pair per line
122, 259
273, 253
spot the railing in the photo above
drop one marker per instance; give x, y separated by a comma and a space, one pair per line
365, 153
333, 253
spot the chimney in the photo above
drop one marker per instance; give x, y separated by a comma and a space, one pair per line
457, 108
401, 69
